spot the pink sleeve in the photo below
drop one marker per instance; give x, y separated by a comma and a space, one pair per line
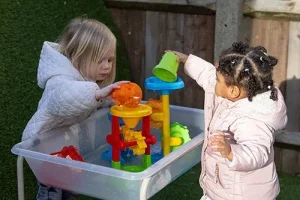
253, 144
203, 72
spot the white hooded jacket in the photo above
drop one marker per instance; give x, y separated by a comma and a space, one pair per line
67, 98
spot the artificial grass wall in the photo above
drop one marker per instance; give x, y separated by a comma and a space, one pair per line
24, 26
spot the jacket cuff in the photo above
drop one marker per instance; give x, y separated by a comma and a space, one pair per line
232, 164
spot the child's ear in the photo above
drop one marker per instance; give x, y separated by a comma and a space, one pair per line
235, 91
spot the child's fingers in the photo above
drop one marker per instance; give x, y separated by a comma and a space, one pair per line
216, 149
217, 143
217, 138
121, 82
115, 86
180, 59
109, 97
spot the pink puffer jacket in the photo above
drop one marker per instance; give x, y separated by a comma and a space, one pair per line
250, 126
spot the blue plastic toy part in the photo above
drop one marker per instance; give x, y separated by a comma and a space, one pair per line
156, 157
126, 155
120, 119
164, 88
107, 155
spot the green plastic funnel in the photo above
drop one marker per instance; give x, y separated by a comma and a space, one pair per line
166, 70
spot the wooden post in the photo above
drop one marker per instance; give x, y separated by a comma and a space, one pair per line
151, 46
228, 21
293, 78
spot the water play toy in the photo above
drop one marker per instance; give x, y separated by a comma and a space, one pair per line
164, 89
166, 70
138, 141
128, 112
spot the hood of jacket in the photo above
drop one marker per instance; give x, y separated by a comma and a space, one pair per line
53, 63
264, 109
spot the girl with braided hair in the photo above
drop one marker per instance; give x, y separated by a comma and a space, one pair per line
243, 109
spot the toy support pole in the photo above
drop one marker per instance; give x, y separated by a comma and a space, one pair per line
115, 143
166, 124
146, 133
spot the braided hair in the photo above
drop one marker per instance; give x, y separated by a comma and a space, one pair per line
250, 68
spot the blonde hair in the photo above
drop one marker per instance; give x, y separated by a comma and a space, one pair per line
85, 41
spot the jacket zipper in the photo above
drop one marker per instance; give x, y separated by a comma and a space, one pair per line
217, 173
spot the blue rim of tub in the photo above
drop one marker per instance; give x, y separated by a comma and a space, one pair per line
164, 88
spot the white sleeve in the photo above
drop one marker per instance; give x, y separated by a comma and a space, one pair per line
71, 98
203, 72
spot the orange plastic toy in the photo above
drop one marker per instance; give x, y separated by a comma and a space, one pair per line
156, 108
128, 95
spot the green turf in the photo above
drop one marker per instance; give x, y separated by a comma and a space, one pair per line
24, 25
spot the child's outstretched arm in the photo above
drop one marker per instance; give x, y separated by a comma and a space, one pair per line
73, 98
203, 72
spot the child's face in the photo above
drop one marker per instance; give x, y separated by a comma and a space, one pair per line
232, 93
102, 69
221, 88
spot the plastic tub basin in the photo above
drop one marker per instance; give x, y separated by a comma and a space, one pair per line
95, 177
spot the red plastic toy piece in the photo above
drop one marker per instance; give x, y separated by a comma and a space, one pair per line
51, 173
69, 152
114, 139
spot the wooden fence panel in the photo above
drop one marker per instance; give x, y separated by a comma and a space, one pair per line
293, 78
132, 28
148, 34
274, 36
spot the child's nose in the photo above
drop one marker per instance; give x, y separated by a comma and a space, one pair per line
106, 65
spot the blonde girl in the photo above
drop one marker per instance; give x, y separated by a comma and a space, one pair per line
77, 76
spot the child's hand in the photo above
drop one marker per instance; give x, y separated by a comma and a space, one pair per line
219, 143
105, 93
182, 57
